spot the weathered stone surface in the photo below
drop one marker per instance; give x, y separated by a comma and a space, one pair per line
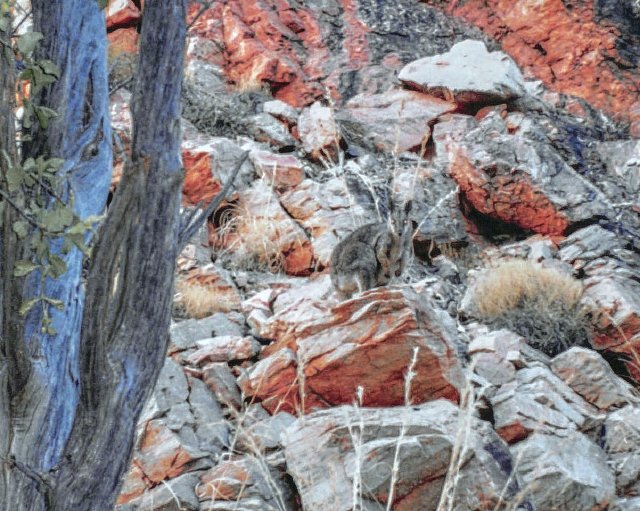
318, 132
564, 474
626, 504
282, 111
514, 177
589, 375
282, 171
178, 493
622, 160
394, 121
222, 383
322, 353
468, 73
326, 211
208, 162
330, 451
611, 290
210, 427
185, 334
266, 128
262, 235
265, 434
622, 445
163, 454
244, 477
223, 349
539, 401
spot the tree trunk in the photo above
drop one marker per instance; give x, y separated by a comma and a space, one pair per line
73, 405
40, 390
130, 284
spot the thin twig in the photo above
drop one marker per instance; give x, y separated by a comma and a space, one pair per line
19, 211
192, 222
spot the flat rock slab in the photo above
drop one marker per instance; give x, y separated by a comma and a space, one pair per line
468, 73
564, 474
394, 121
332, 452
322, 354
589, 375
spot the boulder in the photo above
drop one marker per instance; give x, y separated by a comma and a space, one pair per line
394, 121
564, 474
319, 132
348, 457
323, 352
467, 73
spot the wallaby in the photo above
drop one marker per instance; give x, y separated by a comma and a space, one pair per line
373, 254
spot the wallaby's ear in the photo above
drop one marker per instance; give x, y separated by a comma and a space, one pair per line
408, 206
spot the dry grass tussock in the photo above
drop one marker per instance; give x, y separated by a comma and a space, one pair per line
197, 300
252, 242
541, 304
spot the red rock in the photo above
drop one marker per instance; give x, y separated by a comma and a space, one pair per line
512, 200
225, 481
323, 354
224, 348
282, 171
161, 455
133, 485
123, 41
199, 183
122, 13
565, 48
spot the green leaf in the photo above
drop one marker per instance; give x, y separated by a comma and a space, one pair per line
49, 68
57, 219
21, 228
28, 42
4, 25
102, 3
23, 268
15, 178
57, 265
28, 305
54, 163
44, 114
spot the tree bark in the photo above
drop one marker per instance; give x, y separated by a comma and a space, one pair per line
40, 389
130, 283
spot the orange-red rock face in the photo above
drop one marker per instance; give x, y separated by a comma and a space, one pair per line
561, 44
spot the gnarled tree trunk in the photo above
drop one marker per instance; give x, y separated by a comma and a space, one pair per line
71, 405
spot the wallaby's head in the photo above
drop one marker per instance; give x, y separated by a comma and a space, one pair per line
389, 254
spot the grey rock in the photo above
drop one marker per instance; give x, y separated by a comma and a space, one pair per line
171, 389
626, 504
265, 434
622, 160
266, 128
210, 427
589, 375
343, 453
185, 334
537, 400
564, 474
281, 110
588, 244
622, 445
178, 493
468, 72
222, 383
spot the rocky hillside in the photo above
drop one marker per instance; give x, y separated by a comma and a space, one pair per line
500, 370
